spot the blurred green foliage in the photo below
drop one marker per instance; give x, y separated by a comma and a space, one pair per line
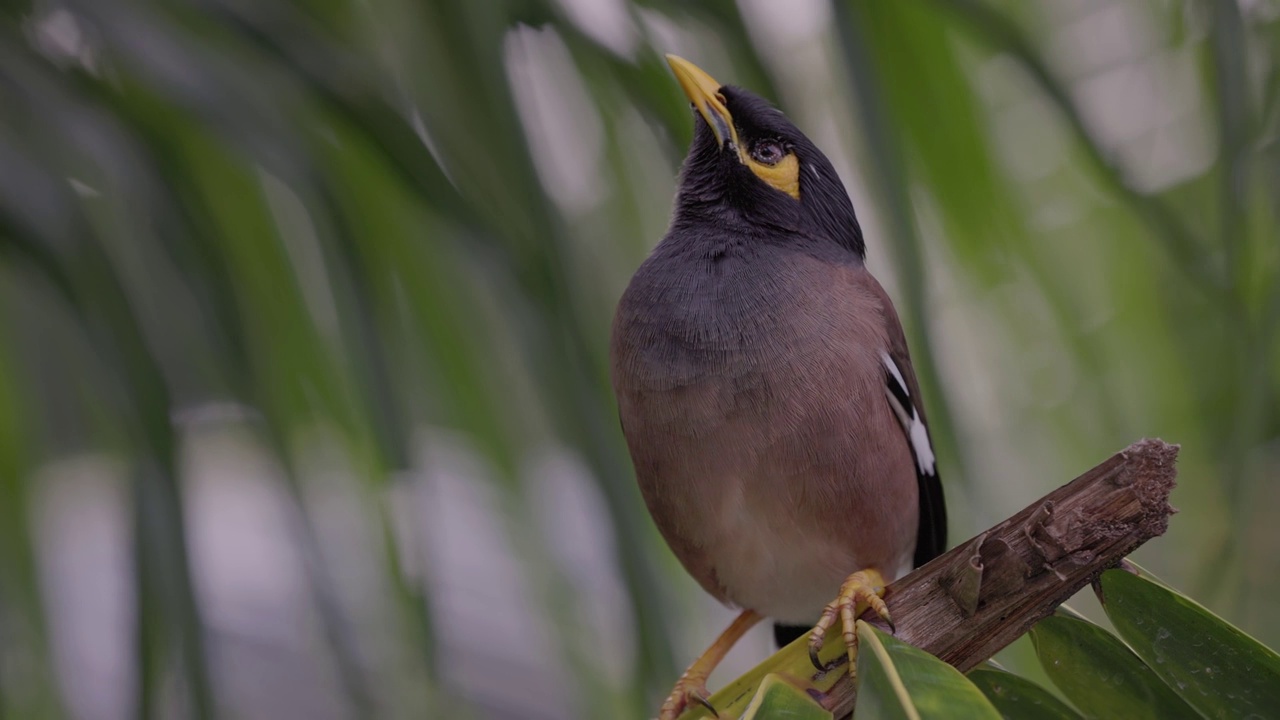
1186, 657
364, 240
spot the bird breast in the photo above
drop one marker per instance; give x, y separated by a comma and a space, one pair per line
752, 402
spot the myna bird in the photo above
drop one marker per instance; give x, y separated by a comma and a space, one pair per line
765, 388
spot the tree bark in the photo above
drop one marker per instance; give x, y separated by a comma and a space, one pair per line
969, 603
972, 601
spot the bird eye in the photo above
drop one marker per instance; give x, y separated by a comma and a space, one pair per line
768, 152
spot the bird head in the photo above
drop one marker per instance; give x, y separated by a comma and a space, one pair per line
748, 163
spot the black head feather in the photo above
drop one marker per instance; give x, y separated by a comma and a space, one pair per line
715, 185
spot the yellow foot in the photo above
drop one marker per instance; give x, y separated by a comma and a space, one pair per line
692, 686
860, 591
690, 689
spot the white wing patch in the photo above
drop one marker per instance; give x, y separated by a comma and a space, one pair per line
896, 373
905, 408
920, 441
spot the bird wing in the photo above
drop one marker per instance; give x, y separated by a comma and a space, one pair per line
903, 393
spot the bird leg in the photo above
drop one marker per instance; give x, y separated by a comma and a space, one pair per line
692, 685
860, 591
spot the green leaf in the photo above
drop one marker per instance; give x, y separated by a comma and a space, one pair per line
778, 698
922, 72
896, 680
1017, 698
1101, 676
1211, 664
791, 662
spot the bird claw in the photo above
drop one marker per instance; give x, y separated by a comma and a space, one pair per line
860, 591
688, 690
692, 685
815, 644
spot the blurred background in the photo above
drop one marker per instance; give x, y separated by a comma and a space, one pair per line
304, 409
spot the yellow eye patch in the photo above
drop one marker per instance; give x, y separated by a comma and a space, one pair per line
704, 92
783, 175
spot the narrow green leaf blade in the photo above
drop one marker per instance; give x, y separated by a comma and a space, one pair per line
1211, 664
922, 71
897, 680
1101, 676
1017, 698
778, 698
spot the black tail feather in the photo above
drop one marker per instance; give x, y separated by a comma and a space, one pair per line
784, 635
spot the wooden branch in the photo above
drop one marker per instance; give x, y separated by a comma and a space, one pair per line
969, 603
972, 601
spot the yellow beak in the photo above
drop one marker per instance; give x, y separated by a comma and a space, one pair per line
704, 92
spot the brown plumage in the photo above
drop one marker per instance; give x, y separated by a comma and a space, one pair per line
763, 380
755, 411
